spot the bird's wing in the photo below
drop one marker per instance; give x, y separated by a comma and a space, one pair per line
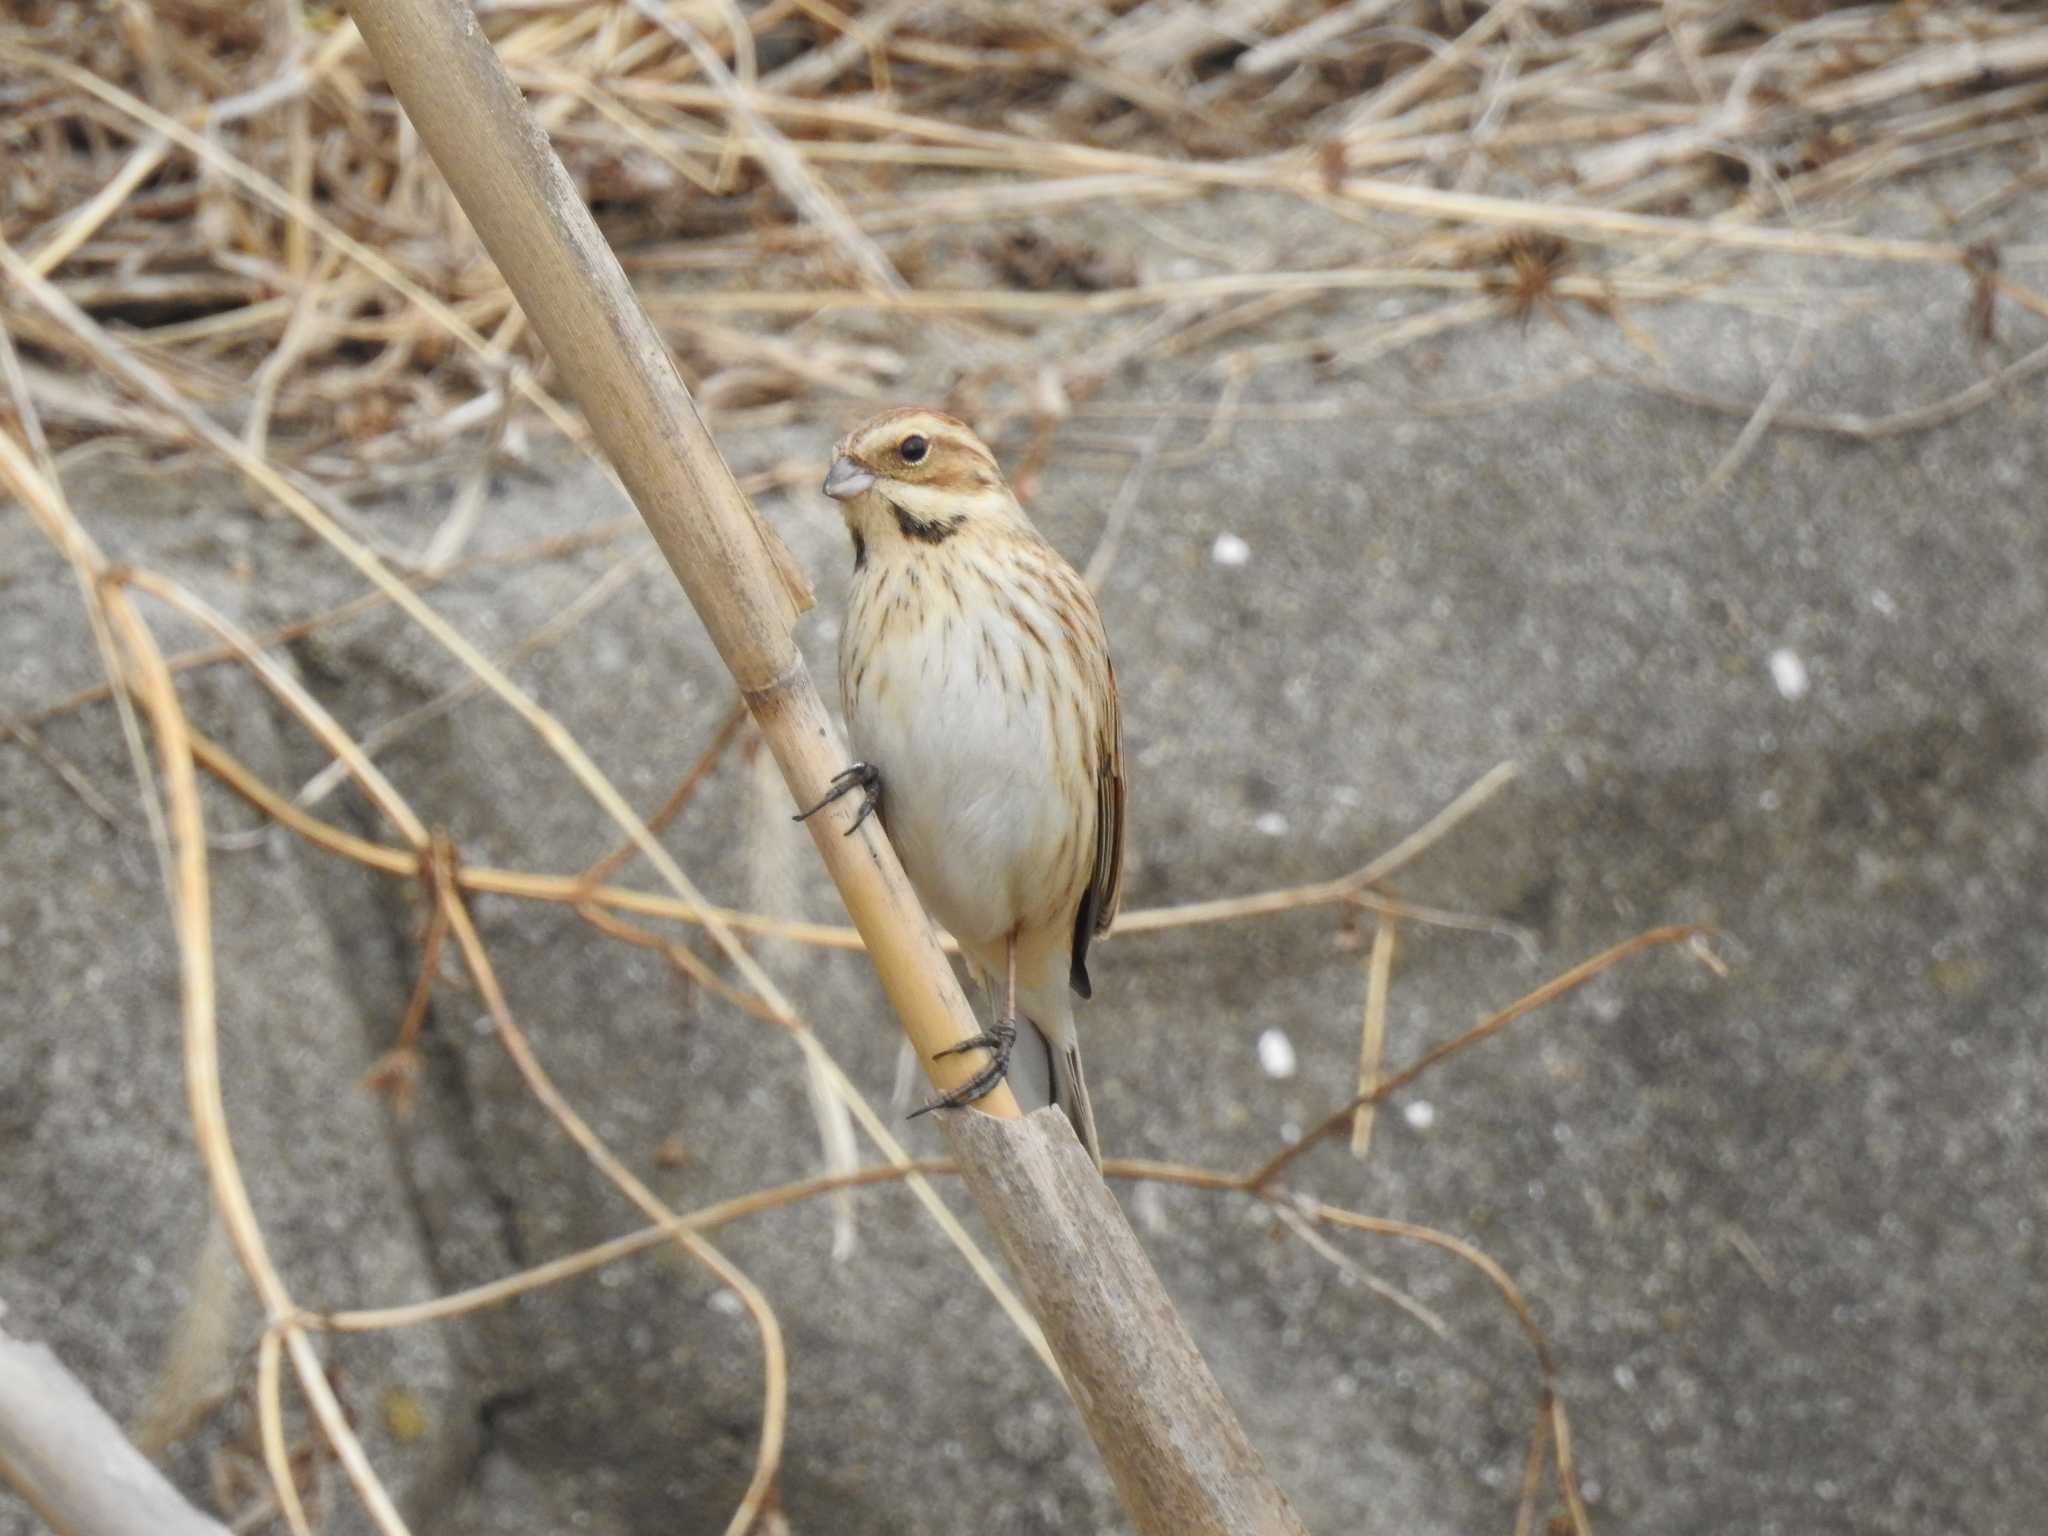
1107, 886
1105, 883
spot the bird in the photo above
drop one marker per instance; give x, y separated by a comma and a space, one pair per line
976, 681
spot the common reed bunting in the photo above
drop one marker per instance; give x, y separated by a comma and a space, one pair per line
978, 690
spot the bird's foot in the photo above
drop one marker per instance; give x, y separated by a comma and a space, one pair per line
863, 776
997, 1042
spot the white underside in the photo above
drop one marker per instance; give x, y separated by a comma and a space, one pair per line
969, 789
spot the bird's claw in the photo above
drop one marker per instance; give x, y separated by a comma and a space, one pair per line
867, 777
997, 1042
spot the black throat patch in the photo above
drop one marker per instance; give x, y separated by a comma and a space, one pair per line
860, 549
934, 530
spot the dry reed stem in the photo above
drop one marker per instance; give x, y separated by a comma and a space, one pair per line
1533, 1464
1372, 1045
1323, 284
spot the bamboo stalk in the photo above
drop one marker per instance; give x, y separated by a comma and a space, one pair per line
1179, 1459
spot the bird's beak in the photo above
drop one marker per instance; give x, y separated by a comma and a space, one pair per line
847, 479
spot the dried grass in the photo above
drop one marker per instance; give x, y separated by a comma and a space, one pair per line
218, 234
232, 189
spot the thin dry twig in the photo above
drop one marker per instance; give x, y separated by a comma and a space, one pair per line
1379, 978
723, 736
1752, 432
67, 772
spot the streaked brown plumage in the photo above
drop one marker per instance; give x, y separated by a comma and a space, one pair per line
977, 683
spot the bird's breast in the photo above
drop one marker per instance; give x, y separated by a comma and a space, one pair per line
980, 747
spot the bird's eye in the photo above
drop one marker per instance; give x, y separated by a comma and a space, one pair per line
913, 449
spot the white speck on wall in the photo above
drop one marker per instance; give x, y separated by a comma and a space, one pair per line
1789, 673
1419, 1113
1272, 823
1882, 601
1276, 1054
1229, 550
725, 1303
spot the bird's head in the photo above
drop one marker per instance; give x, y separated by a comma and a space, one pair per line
918, 476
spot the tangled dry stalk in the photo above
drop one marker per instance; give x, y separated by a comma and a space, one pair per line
219, 234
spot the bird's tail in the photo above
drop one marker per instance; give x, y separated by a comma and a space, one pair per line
1070, 1092
1045, 1066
